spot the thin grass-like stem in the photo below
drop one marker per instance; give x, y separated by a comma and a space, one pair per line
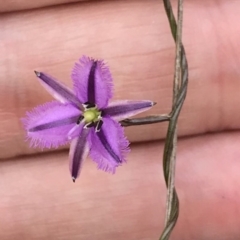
179, 94
145, 120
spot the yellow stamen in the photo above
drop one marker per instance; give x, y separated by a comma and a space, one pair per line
91, 115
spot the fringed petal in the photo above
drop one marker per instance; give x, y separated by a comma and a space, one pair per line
109, 145
48, 125
120, 110
92, 81
78, 152
58, 90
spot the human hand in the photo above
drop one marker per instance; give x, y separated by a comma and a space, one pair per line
38, 198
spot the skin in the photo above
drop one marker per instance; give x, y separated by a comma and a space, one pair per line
38, 198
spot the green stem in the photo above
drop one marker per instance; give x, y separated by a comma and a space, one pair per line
179, 94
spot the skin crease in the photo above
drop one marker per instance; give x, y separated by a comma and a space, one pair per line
16, 5
38, 198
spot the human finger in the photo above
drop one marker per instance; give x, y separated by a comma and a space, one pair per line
138, 47
40, 198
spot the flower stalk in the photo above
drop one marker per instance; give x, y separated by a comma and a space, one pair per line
145, 120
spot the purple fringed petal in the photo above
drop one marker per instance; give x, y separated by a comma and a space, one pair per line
109, 145
92, 81
58, 90
120, 110
78, 152
48, 125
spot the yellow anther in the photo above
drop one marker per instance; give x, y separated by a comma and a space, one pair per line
91, 115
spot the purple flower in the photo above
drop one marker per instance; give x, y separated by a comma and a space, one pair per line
84, 117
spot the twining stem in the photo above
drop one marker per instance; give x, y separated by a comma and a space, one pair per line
176, 86
179, 94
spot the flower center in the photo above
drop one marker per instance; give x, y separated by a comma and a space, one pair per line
91, 115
